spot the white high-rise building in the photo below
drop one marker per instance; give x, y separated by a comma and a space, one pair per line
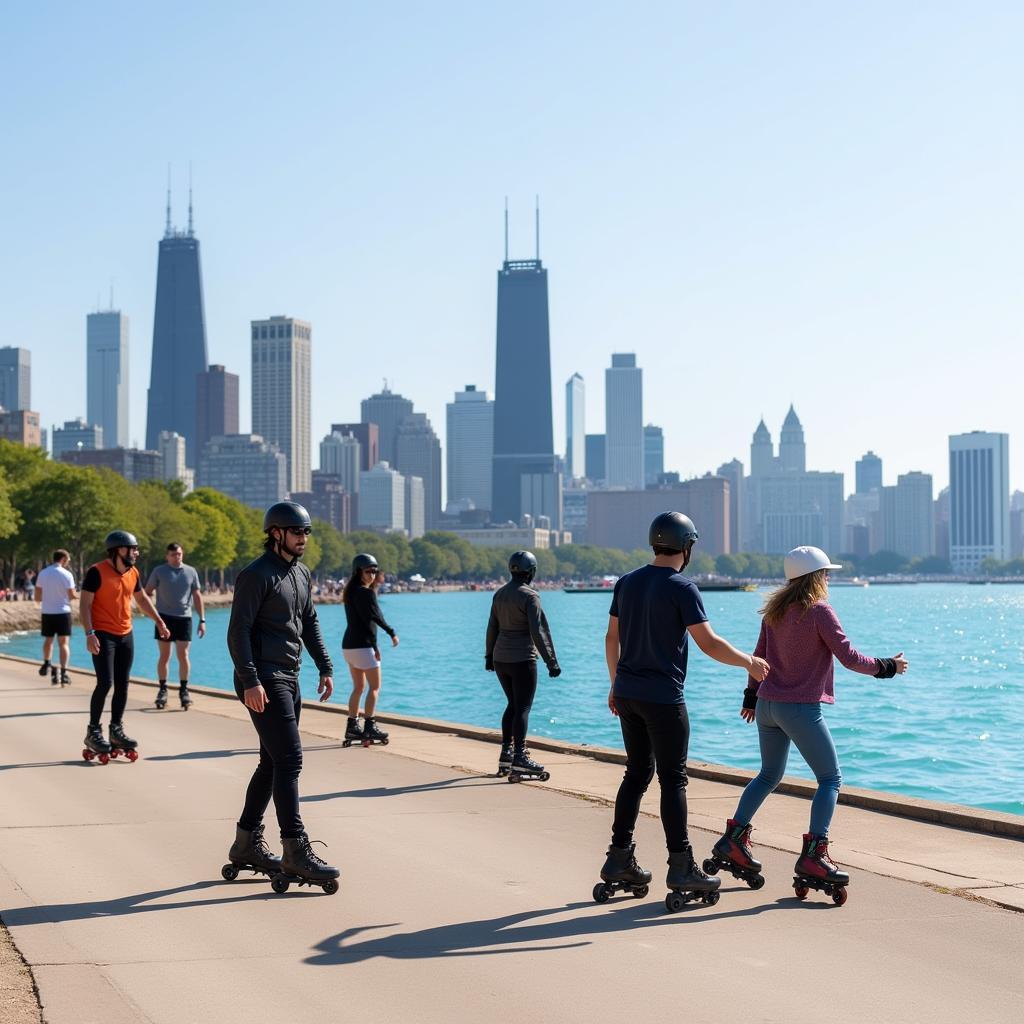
281, 392
575, 428
341, 455
15, 378
106, 373
979, 499
382, 498
171, 446
907, 516
415, 507
470, 448
624, 423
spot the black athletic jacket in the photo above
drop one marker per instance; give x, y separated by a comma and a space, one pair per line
518, 627
272, 615
362, 617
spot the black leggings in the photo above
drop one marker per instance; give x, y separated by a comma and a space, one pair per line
653, 735
113, 667
277, 773
519, 681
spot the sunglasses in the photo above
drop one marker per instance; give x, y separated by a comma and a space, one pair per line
372, 572
300, 530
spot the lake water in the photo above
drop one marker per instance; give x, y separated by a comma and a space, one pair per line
951, 729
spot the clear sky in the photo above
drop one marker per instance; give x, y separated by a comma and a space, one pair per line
816, 203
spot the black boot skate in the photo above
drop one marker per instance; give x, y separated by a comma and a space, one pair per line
525, 768
817, 870
732, 853
121, 744
44, 668
65, 679
504, 760
249, 852
299, 864
161, 697
621, 872
53, 676
185, 697
96, 747
371, 734
353, 733
688, 882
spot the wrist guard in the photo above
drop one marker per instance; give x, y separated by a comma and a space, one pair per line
886, 668
749, 699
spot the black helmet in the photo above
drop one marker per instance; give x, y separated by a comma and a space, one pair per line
285, 514
672, 530
522, 563
120, 539
361, 562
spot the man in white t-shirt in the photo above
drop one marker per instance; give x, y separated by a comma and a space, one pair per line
55, 590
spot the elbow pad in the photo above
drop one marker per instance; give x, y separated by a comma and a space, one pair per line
749, 699
886, 668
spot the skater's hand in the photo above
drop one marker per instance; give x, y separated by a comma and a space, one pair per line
92, 644
611, 703
256, 698
394, 641
376, 653
554, 671
758, 669
161, 628
202, 630
747, 714
901, 664
326, 688
489, 664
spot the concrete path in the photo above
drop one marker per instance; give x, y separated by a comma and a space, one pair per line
463, 898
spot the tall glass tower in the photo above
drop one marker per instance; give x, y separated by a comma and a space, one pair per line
179, 338
525, 477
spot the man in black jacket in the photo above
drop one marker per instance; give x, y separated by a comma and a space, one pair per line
272, 616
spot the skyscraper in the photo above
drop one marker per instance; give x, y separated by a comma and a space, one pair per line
15, 378
418, 453
575, 428
654, 454
382, 498
594, 449
179, 338
216, 404
245, 467
868, 473
907, 516
368, 436
733, 472
470, 447
624, 423
281, 392
341, 456
792, 450
388, 410
523, 432
979, 499
106, 374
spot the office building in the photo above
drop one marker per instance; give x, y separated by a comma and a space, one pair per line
575, 428
133, 464
415, 507
75, 435
382, 499
341, 456
523, 538
388, 410
328, 500
907, 516
418, 453
216, 404
15, 378
171, 446
470, 438
281, 360
245, 467
868, 473
594, 449
107, 379
654, 455
979, 499
733, 472
368, 436
624, 423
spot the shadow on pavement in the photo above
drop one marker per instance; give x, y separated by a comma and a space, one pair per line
512, 933
192, 755
459, 782
42, 714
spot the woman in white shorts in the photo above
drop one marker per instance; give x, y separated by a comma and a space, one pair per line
359, 646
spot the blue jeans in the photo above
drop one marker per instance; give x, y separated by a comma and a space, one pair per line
778, 723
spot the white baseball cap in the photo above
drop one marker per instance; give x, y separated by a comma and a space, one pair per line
804, 560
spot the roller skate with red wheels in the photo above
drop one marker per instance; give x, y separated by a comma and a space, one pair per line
301, 866
621, 873
688, 883
353, 733
372, 735
185, 697
732, 853
121, 744
249, 852
504, 760
161, 697
525, 769
817, 870
96, 747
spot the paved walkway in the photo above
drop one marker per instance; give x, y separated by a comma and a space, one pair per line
463, 898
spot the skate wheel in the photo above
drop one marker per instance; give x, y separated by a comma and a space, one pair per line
709, 899
330, 887
801, 891
114, 753
756, 883
641, 891
601, 893
229, 872
710, 867
366, 743
103, 758
839, 896
346, 743
279, 884
384, 742
132, 755
513, 777
544, 776
674, 902
88, 754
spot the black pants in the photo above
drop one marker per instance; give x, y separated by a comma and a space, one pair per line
654, 735
519, 681
277, 774
113, 667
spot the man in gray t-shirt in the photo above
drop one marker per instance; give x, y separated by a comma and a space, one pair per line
176, 586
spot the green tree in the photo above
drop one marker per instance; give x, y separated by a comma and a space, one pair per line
218, 543
932, 565
883, 563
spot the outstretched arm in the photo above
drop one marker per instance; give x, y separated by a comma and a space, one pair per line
721, 650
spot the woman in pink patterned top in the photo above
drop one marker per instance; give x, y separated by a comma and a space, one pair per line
800, 636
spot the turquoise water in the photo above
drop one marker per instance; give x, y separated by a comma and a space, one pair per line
952, 729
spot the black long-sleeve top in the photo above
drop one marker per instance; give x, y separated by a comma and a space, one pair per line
518, 628
362, 617
272, 616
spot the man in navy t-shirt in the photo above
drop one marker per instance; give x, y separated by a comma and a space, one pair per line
655, 609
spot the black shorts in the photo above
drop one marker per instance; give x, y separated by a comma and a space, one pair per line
179, 625
56, 625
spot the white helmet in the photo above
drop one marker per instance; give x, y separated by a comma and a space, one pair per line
804, 560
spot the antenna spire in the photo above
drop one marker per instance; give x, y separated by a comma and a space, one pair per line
167, 227
537, 216
190, 199
111, 306
506, 229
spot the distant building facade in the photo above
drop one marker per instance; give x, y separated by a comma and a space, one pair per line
15, 378
575, 427
470, 456
368, 436
216, 404
131, 463
382, 499
596, 452
624, 423
107, 355
907, 516
246, 467
418, 453
388, 411
979, 499
654, 455
75, 435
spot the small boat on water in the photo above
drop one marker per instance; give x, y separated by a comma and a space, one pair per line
605, 585
848, 581
722, 585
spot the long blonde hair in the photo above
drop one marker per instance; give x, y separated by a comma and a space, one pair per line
804, 591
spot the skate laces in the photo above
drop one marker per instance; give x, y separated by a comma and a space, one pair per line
259, 844
307, 849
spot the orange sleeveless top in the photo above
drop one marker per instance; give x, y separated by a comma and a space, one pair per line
112, 602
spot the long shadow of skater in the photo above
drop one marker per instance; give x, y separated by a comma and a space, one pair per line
43, 714
141, 903
459, 782
194, 755
511, 933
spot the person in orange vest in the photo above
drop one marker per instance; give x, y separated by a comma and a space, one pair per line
105, 609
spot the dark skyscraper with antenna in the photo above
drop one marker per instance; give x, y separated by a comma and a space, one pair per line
525, 477
179, 338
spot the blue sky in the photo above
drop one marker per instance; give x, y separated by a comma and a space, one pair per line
766, 202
